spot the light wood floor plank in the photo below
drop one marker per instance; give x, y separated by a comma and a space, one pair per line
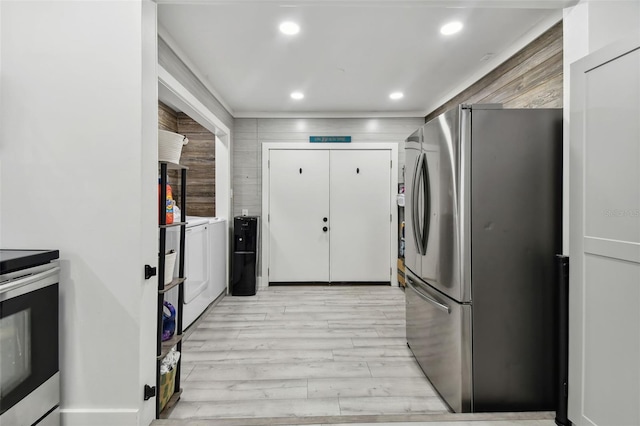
303, 351
391, 405
367, 387
301, 370
234, 390
257, 408
262, 343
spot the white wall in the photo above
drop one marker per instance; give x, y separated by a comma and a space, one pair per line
146, 322
588, 26
78, 171
1, 140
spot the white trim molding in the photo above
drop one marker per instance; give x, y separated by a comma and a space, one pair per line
98, 417
346, 114
173, 45
513, 4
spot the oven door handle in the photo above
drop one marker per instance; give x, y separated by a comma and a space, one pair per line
29, 279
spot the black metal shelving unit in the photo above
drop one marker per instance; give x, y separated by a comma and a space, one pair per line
401, 241
163, 348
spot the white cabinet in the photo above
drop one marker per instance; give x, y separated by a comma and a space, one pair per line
329, 215
604, 335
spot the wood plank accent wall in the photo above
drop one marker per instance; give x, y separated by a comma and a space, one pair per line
167, 118
198, 155
532, 78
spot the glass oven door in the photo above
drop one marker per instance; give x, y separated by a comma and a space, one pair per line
28, 336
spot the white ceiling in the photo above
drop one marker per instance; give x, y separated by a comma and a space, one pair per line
349, 55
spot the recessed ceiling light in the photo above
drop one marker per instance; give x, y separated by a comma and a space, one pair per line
297, 95
451, 28
396, 95
289, 28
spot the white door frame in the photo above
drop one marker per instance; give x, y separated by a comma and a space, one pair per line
367, 146
170, 89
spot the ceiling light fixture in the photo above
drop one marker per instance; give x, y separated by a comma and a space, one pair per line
396, 95
297, 95
451, 28
289, 28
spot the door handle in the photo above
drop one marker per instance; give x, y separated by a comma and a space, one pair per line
428, 299
426, 220
415, 220
325, 229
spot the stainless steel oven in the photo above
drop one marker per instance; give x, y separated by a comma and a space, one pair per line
29, 377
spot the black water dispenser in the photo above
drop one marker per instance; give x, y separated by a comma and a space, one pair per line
245, 255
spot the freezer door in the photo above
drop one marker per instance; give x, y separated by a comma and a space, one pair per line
516, 200
412, 257
439, 335
444, 147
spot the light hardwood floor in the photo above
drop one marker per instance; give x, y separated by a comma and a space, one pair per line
305, 354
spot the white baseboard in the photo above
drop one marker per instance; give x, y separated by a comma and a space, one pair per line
101, 417
262, 283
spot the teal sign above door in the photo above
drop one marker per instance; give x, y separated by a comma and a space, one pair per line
329, 139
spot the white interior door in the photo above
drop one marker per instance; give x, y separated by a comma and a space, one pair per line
360, 221
298, 204
604, 335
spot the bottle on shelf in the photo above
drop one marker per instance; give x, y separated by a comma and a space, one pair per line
168, 204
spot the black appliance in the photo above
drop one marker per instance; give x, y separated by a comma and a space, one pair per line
245, 255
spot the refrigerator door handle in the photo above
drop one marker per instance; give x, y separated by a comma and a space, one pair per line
417, 233
426, 220
426, 298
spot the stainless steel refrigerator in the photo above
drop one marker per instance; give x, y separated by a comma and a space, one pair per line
483, 197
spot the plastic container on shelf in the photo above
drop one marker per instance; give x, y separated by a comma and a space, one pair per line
168, 322
169, 266
170, 146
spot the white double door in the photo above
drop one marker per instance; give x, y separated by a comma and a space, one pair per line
329, 215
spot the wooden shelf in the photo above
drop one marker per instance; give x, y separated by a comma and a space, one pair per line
173, 166
172, 284
172, 225
166, 346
